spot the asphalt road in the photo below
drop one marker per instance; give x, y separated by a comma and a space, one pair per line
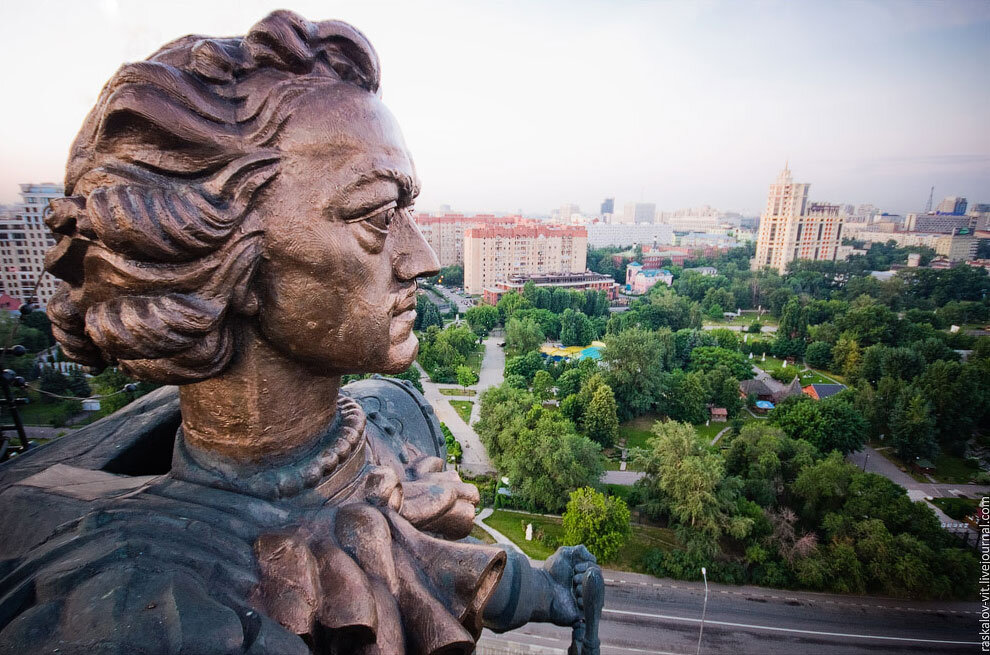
649, 615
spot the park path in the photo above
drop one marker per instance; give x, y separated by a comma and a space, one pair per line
474, 459
499, 538
492, 372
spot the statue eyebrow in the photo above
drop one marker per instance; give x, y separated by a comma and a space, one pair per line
408, 186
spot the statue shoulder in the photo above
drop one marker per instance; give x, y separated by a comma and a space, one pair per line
401, 414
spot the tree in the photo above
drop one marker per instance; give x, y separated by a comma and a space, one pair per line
830, 424
482, 319
524, 365
683, 396
569, 382
575, 329
634, 359
522, 337
542, 385
78, 384
708, 357
684, 479
53, 382
598, 521
912, 427
466, 376
846, 355
600, 421
540, 453
508, 304
818, 355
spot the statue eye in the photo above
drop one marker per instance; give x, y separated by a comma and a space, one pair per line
382, 219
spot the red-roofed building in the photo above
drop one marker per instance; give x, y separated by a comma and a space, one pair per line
496, 253
9, 302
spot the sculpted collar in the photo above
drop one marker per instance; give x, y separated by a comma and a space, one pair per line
327, 467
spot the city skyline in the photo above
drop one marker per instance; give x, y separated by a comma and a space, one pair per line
878, 115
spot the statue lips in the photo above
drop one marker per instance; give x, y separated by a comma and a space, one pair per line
404, 316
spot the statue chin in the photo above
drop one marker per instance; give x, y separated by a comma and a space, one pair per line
402, 355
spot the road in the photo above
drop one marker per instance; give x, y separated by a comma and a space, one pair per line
463, 304
650, 615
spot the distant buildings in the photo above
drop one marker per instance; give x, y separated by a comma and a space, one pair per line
952, 205
445, 233
24, 240
571, 281
792, 228
496, 253
608, 207
939, 223
640, 280
639, 213
959, 246
606, 235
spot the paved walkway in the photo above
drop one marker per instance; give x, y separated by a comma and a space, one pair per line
879, 464
474, 459
496, 535
492, 372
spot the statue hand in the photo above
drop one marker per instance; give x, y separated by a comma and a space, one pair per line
566, 569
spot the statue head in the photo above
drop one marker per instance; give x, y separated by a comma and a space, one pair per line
228, 182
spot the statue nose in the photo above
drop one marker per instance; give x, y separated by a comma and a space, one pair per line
412, 256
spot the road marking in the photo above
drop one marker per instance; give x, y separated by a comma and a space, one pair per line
795, 630
604, 646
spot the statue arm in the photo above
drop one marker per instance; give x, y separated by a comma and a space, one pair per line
547, 595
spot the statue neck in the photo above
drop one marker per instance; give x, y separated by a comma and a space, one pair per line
263, 407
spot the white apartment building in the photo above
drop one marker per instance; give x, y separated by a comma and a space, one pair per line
606, 235
792, 228
494, 253
24, 240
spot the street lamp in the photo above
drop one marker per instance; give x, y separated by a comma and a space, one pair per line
704, 609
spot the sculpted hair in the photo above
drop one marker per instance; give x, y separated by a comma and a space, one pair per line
159, 235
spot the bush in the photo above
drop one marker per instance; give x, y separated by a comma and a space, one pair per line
754, 327
785, 374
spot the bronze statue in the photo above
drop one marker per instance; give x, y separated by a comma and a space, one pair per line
238, 222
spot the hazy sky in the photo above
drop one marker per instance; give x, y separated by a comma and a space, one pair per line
527, 105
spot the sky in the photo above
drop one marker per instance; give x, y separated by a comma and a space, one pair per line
510, 106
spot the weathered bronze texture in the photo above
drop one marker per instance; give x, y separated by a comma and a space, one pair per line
238, 222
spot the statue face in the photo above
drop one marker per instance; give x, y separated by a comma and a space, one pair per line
338, 279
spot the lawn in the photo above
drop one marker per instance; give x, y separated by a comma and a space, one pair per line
772, 363
463, 408
613, 464
957, 508
637, 431
457, 391
474, 360
629, 558
708, 432
482, 536
813, 377
744, 320
954, 470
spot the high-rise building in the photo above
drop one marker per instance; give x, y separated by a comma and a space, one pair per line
954, 205
604, 235
958, 246
792, 228
493, 253
567, 210
608, 206
639, 213
445, 233
941, 223
24, 240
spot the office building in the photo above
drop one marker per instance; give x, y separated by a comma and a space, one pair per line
792, 228
24, 240
940, 223
953, 205
494, 253
958, 246
639, 213
608, 207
